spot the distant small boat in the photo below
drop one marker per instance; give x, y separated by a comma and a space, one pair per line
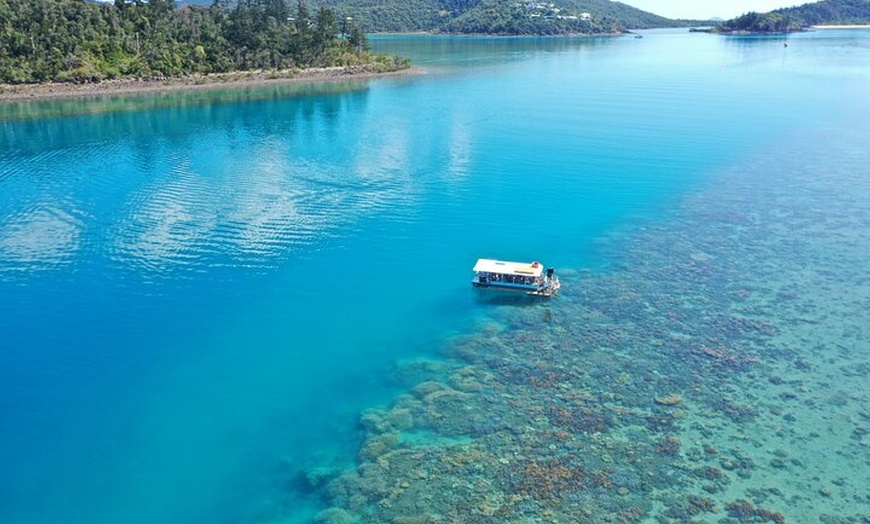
523, 277
638, 36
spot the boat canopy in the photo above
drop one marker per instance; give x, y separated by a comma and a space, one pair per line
525, 269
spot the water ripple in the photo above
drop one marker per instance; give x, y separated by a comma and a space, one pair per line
166, 223
41, 237
250, 212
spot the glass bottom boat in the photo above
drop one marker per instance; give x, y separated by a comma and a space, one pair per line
523, 277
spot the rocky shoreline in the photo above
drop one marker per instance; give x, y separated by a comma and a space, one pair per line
56, 90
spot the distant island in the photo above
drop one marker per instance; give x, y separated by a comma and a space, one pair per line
791, 19
79, 42
758, 23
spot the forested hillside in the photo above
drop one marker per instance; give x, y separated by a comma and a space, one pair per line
800, 17
74, 40
760, 23
504, 17
830, 12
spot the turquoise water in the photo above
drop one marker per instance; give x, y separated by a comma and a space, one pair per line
202, 293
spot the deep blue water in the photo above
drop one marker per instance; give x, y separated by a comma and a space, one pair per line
200, 293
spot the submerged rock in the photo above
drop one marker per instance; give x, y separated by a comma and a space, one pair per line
670, 400
333, 516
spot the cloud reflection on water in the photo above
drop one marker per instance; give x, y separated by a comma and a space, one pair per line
42, 237
234, 181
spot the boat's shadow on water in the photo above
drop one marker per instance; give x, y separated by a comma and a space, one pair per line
501, 298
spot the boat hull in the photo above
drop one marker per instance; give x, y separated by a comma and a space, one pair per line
515, 288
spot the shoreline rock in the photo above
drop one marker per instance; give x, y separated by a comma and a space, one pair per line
670, 400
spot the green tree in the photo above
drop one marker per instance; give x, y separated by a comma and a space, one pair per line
357, 39
79, 41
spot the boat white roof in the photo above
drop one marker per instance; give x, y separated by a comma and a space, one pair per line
526, 269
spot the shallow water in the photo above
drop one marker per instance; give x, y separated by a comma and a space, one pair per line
202, 295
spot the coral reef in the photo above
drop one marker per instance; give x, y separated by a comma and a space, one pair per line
567, 411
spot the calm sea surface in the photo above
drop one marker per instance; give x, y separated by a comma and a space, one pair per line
201, 293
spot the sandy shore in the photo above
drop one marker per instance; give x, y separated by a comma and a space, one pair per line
193, 82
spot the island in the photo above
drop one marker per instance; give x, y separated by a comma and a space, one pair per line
759, 23
792, 19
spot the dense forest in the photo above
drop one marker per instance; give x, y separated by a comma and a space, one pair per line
830, 12
502, 17
753, 22
797, 18
78, 41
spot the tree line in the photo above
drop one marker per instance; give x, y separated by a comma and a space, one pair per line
78, 41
